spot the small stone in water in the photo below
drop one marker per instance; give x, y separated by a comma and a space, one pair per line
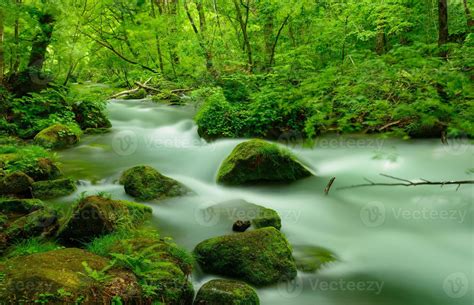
241, 226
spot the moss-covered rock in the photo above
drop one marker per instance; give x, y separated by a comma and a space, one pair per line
24, 219
260, 257
161, 264
53, 188
91, 115
94, 216
146, 183
58, 136
43, 169
17, 183
228, 292
230, 212
257, 161
20, 206
312, 258
66, 276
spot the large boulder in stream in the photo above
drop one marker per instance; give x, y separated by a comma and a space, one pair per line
58, 136
258, 161
94, 216
227, 292
259, 257
146, 183
66, 276
43, 169
53, 188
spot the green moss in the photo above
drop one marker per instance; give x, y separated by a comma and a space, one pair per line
312, 259
161, 267
138, 95
146, 183
217, 292
53, 188
259, 161
58, 136
91, 115
94, 216
17, 183
20, 206
42, 222
61, 276
260, 257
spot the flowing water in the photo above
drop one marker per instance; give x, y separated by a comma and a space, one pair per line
396, 245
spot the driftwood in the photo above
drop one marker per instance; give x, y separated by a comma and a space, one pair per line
328, 187
126, 92
405, 182
148, 88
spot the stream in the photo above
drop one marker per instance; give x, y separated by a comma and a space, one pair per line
396, 245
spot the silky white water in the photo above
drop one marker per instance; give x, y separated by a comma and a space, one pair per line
396, 245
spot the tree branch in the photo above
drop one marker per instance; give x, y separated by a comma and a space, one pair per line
405, 182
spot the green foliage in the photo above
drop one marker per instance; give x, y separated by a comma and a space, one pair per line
99, 276
31, 246
23, 158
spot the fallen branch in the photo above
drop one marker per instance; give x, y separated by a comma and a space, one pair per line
405, 182
389, 125
328, 187
126, 92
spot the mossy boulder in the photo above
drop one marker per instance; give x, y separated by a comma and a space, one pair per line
91, 115
230, 212
53, 188
164, 266
258, 161
259, 257
94, 216
25, 218
43, 169
228, 292
17, 184
146, 183
65, 276
312, 258
58, 136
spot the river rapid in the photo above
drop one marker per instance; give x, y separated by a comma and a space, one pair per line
396, 245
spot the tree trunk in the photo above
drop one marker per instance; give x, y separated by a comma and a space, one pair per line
16, 62
470, 21
157, 38
443, 24
32, 79
2, 58
243, 28
380, 42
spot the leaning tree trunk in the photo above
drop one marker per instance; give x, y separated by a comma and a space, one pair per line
32, 79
